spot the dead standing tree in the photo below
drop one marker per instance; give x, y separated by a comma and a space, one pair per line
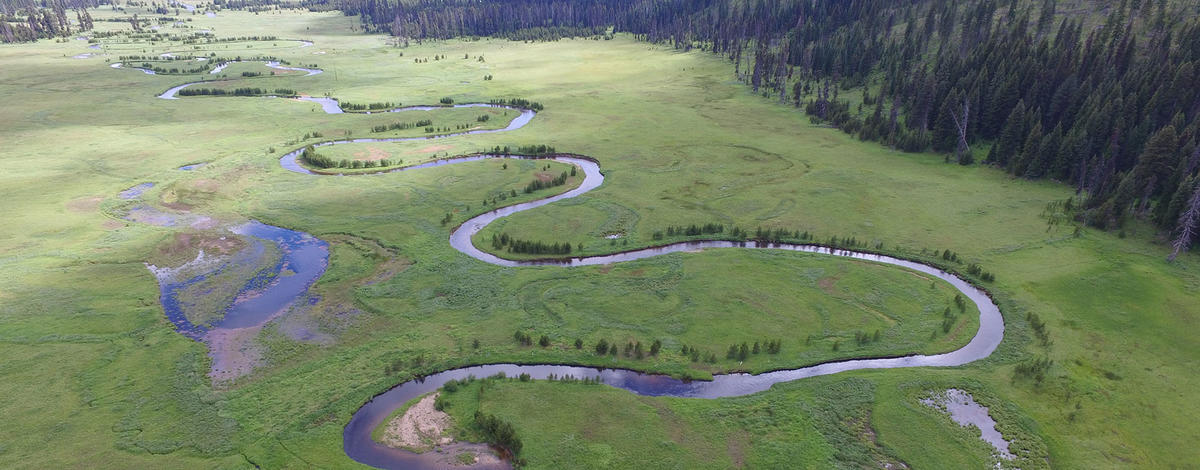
963, 152
1187, 225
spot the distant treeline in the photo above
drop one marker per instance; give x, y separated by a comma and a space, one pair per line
49, 19
242, 91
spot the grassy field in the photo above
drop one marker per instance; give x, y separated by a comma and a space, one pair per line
94, 375
807, 424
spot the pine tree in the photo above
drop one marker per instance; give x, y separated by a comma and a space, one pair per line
1030, 152
1011, 137
1159, 158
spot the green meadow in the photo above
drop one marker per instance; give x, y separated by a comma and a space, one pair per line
93, 374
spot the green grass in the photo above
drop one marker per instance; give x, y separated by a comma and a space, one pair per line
94, 375
824, 422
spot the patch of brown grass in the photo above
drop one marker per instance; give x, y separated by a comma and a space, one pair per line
85, 204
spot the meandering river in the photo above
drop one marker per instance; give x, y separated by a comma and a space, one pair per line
357, 441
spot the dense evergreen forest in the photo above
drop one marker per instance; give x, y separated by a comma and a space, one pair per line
24, 21
1099, 95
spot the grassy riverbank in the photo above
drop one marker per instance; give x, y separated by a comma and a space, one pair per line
813, 423
95, 375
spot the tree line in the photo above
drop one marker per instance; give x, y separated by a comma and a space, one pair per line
240, 91
743, 351
533, 150
309, 156
348, 106
42, 20
1018, 84
401, 125
513, 245
633, 349
714, 230
517, 103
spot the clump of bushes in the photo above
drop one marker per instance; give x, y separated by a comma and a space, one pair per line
538, 184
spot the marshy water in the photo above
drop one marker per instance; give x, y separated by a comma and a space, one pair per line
966, 412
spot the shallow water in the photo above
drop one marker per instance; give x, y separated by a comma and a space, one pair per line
307, 72
171, 93
966, 412
303, 260
329, 105
135, 192
118, 65
220, 67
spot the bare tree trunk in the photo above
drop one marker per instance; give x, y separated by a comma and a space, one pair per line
1187, 225
961, 124
893, 118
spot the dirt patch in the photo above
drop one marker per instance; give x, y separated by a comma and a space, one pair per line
234, 352
605, 269
85, 204
112, 224
206, 185
861, 427
179, 206
921, 276
185, 245
736, 447
544, 176
421, 427
387, 270
434, 148
827, 284
637, 272
373, 154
